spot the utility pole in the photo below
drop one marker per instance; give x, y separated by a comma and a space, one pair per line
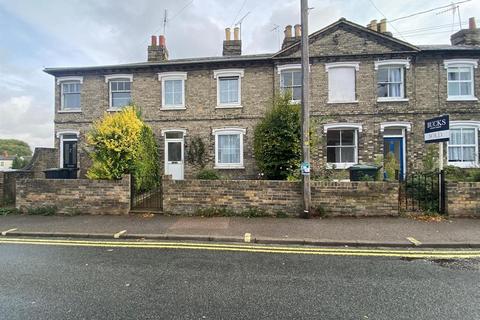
307, 197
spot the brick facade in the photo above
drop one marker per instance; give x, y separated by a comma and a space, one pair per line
75, 196
463, 199
336, 198
425, 93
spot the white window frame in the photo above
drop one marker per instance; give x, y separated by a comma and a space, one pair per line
353, 64
472, 64
229, 131
217, 74
290, 68
112, 77
166, 76
69, 79
60, 135
343, 126
394, 63
468, 124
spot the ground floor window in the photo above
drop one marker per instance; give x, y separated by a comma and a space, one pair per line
341, 147
463, 147
229, 147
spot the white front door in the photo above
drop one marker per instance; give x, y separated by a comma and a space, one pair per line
174, 158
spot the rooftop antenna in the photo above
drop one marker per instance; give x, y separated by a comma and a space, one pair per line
239, 23
164, 21
454, 8
276, 29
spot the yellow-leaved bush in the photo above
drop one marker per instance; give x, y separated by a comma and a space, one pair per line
122, 143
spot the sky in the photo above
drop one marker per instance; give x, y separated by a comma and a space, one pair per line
36, 34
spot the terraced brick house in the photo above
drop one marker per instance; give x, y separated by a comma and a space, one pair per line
371, 91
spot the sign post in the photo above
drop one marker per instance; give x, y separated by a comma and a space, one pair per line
437, 130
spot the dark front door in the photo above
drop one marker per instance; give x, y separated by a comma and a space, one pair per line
70, 154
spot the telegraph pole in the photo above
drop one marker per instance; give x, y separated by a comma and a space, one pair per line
307, 197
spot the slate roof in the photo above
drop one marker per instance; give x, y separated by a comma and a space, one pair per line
256, 57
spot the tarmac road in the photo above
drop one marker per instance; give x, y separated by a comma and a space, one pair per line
107, 282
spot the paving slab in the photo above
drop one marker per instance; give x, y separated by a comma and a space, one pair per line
386, 230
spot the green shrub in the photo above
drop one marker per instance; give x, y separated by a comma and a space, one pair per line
208, 174
461, 174
7, 211
430, 158
318, 211
391, 167
123, 144
42, 211
196, 152
281, 214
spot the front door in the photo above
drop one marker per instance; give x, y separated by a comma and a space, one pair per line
394, 147
174, 158
70, 154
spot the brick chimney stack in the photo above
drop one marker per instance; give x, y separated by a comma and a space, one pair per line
289, 38
469, 37
157, 52
232, 47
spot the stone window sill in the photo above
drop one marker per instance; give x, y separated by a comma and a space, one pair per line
462, 99
69, 111
229, 107
392, 100
340, 166
229, 167
172, 108
342, 102
114, 109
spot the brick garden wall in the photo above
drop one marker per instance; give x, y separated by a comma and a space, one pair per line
336, 198
463, 199
75, 196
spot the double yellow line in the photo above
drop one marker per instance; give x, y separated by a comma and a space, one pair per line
418, 254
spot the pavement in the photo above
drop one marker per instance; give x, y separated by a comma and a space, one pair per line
82, 282
368, 232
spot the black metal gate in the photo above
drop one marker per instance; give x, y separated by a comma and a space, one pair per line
423, 192
146, 200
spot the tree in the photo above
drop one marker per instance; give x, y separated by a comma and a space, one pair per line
15, 147
277, 139
19, 163
123, 144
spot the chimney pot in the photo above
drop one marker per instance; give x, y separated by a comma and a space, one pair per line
298, 31
472, 25
154, 41
373, 25
236, 33
288, 31
382, 26
161, 41
227, 34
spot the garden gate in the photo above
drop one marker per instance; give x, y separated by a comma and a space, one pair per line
424, 192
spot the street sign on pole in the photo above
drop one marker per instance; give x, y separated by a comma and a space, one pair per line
437, 129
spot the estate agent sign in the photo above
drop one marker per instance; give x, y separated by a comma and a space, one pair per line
437, 129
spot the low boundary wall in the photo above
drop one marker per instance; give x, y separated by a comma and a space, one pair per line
463, 199
335, 198
75, 196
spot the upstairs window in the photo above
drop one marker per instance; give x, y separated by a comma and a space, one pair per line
71, 95
228, 88
291, 81
173, 89
120, 90
460, 79
70, 89
341, 82
390, 82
